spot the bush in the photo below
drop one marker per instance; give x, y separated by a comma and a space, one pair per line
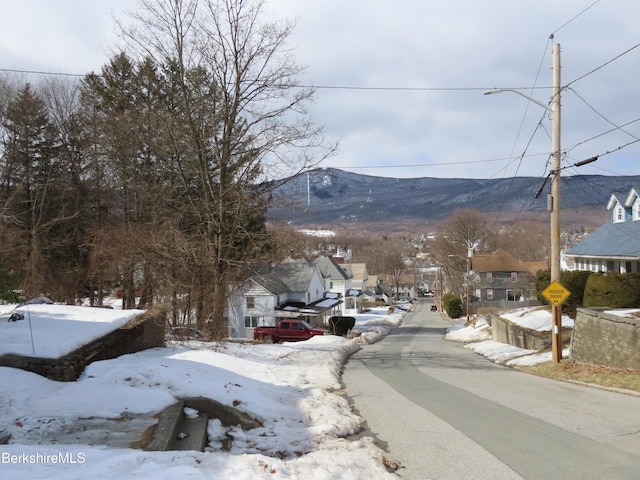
613, 290
575, 282
452, 305
8, 286
543, 279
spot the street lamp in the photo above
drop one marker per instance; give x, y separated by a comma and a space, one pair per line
469, 256
556, 310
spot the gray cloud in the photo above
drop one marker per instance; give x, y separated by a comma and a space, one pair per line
454, 48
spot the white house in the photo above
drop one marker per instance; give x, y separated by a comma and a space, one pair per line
287, 290
338, 279
615, 246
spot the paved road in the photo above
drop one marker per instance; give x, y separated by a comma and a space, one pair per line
444, 412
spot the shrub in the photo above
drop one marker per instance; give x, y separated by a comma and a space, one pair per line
613, 290
452, 305
575, 282
8, 286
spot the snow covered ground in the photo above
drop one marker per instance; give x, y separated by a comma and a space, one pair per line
84, 429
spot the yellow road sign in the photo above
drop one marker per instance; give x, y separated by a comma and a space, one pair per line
556, 293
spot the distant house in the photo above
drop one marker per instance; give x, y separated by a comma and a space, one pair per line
500, 277
339, 280
384, 293
293, 289
360, 275
615, 246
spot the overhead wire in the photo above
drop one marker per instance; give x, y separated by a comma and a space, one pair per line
575, 17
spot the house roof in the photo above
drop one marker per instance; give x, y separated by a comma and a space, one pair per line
358, 270
271, 282
498, 261
616, 198
330, 268
287, 277
313, 309
610, 240
631, 197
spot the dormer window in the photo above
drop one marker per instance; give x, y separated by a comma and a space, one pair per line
620, 214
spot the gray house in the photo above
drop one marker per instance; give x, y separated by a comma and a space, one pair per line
615, 246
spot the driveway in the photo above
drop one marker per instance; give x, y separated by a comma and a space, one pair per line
444, 412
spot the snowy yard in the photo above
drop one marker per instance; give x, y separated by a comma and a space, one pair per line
84, 429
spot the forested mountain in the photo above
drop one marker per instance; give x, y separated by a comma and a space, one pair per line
328, 195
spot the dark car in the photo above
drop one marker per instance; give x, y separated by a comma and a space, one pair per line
434, 308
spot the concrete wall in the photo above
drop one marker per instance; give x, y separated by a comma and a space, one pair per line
505, 331
143, 332
604, 339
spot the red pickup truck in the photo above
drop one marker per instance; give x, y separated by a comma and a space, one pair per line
288, 331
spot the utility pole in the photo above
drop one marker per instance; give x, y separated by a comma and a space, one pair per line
554, 198
469, 255
556, 310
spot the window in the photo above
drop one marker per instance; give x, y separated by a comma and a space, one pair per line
489, 293
490, 277
298, 326
514, 295
252, 322
251, 303
514, 276
619, 212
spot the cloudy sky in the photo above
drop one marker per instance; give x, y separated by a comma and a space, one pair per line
411, 76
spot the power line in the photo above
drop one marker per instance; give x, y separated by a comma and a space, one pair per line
574, 17
443, 164
603, 65
37, 72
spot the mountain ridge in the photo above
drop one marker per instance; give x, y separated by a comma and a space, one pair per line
329, 195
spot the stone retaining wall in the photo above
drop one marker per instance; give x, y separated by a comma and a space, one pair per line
505, 331
604, 339
144, 331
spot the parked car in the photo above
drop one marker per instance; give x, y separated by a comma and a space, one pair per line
405, 305
288, 331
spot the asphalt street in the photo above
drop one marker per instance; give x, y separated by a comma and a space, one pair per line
443, 412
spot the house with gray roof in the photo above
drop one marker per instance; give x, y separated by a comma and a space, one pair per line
615, 246
338, 279
293, 289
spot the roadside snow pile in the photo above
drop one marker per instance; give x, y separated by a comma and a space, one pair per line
535, 318
375, 324
480, 340
472, 333
288, 388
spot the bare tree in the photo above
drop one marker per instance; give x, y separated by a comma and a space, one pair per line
465, 229
234, 118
